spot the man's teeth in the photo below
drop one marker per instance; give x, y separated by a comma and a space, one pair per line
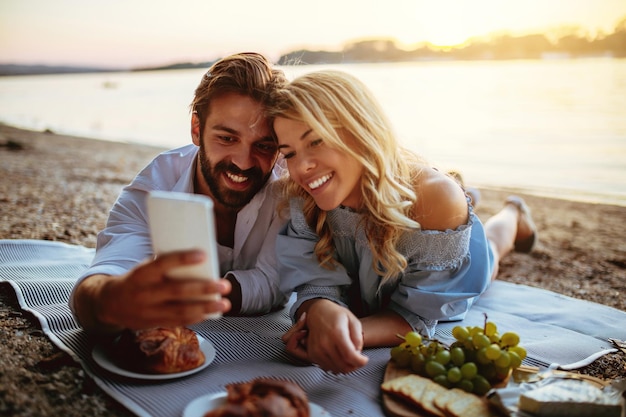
319, 182
236, 178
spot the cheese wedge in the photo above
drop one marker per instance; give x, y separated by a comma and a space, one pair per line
569, 397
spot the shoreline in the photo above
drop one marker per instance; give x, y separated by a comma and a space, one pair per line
580, 196
577, 196
60, 188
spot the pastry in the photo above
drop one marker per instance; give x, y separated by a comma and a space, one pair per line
159, 350
263, 397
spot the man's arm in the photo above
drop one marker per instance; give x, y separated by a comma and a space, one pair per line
86, 298
145, 297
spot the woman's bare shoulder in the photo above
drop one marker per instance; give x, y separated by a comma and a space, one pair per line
441, 202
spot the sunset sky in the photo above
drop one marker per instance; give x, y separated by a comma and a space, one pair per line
131, 33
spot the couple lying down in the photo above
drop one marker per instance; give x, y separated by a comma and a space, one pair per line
374, 240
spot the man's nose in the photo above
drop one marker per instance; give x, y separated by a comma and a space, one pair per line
243, 158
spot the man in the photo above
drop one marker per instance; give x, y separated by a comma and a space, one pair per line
232, 160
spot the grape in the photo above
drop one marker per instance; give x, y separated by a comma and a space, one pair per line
521, 352
457, 355
454, 374
480, 341
481, 356
475, 330
493, 352
504, 360
434, 368
442, 380
460, 333
468, 343
490, 328
481, 385
466, 385
469, 370
417, 363
515, 360
403, 358
395, 351
443, 357
509, 339
414, 339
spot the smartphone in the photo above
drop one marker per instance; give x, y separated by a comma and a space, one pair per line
181, 221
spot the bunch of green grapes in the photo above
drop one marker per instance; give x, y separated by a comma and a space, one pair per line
478, 358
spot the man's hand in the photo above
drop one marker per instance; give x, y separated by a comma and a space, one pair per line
145, 297
295, 339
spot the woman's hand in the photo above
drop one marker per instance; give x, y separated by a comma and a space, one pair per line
329, 336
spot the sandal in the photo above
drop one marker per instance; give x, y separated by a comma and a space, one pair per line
524, 245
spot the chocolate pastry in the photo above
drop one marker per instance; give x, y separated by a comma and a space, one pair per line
263, 397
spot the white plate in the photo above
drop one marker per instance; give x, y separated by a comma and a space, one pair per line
202, 405
104, 359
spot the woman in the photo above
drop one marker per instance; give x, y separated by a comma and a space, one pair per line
379, 242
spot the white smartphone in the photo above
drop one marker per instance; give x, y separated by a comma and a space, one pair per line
181, 221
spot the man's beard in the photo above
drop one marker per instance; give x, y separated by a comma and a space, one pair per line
224, 195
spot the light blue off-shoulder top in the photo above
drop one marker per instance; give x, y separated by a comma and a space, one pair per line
447, 271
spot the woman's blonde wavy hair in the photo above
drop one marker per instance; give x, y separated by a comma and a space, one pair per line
331, 102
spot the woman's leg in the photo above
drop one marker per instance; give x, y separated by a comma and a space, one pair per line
512, 228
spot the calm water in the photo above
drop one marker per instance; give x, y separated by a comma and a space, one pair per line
553, 128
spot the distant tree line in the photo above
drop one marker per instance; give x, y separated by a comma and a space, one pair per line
569, 42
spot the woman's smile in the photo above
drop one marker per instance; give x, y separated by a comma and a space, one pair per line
319, 182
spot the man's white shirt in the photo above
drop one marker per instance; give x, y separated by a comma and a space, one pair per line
125, 241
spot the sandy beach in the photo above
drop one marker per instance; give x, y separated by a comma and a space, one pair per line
60, 188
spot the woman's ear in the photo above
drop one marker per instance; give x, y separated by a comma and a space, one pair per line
195, 129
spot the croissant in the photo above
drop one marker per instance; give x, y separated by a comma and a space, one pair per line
160, 350
263, 397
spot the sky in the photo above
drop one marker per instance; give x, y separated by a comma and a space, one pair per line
136, 33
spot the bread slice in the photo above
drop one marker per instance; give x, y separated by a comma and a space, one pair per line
417, 390
410, 386
435, 399
458, 403
430, 393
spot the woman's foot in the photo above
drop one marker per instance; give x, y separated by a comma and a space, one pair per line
526, 236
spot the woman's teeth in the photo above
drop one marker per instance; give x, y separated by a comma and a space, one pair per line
319, 182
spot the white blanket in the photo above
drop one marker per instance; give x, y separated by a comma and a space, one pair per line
552, 327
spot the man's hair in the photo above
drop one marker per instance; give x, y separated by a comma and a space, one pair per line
247, 73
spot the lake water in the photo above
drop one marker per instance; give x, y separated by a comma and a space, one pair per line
555, 128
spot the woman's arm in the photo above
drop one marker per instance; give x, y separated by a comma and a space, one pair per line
383, 328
